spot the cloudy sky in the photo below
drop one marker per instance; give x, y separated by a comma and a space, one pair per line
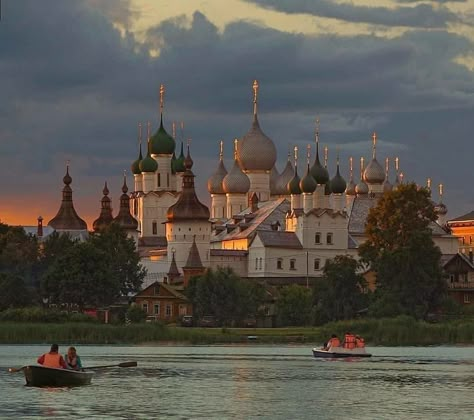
77, 76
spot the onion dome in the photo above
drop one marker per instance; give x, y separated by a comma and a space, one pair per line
319, 172
136, 165
308, 184
188, 206
374, 173
294, 185
350, 188
441, 209
148, 164
124, 218
161, 142
180, 161
214, 183
361, 188
284, 178
236, 182
274, 176
67, 218
105, 218
338, 183
387, 186
256, 151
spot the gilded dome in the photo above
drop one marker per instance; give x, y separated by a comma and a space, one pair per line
236, 182
374, 173
308, 184
214, 183
256, 151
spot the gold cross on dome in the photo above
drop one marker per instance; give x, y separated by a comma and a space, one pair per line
255, 90
374, 137
162, 96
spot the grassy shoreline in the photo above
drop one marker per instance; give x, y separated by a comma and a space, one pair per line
400, 331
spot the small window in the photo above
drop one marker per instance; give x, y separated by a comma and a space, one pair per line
167, 180
260, 263
317, 238
256, 263
156, 309
317, 264
169, 310
329, 238
467, 298
159, 180
154, 228
145, 307
452, 278
280, 264
292, 264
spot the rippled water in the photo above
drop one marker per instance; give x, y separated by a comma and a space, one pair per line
278, 382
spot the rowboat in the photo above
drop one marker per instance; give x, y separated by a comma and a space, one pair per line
340, 352
46, 376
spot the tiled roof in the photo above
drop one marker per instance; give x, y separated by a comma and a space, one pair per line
228, 253
360, 210
280, 239
465, 218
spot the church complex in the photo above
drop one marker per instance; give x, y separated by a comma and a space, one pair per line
265, 225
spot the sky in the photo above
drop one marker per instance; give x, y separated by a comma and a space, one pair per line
76, 77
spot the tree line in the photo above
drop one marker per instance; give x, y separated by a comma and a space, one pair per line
61, 270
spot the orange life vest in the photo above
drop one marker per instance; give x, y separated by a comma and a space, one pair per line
360, 342
52, 360
334, 342
349, 341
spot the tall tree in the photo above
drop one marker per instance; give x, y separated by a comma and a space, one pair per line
13, 292
122, 257
340, 293
224, 295
401, 251
294, 305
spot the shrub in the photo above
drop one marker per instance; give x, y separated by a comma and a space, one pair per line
136, 314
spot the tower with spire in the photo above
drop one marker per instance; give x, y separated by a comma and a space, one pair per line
124, 218
187, 221
67, 220
105, 218
215, 188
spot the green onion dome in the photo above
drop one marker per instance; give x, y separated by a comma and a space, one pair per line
236, 182
161, 142
327, 188
338, 183
284, 179
136, 165
319, 172
148, 164
308, 183
180, 161
293, 186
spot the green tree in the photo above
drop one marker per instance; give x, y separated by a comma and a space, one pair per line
13, 292
223, 294
82, 276
18, 251
340, 293
122, 257
294, 305
136, 314
401, 251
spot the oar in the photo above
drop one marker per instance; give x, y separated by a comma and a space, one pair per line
123, 364
14, 370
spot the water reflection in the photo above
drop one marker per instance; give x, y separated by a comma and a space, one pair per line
247, 382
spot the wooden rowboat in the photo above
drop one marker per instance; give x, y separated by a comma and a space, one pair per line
340, 352
46, 376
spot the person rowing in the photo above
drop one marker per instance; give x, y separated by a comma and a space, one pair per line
52, 359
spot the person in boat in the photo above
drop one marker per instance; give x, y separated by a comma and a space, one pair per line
359, 342
52, 359
73, 361
349, 341
332, 342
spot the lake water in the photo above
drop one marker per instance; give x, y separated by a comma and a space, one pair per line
249, 381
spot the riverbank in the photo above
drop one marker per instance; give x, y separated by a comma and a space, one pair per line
400, 331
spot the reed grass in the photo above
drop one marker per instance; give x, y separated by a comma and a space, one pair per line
400, 331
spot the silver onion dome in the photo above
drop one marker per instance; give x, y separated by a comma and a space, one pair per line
236, 182
214, 183
284, 178
361, 188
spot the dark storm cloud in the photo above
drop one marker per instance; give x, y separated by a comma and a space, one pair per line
422, 15
71, 87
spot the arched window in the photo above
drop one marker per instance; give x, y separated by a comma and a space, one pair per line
280, 264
